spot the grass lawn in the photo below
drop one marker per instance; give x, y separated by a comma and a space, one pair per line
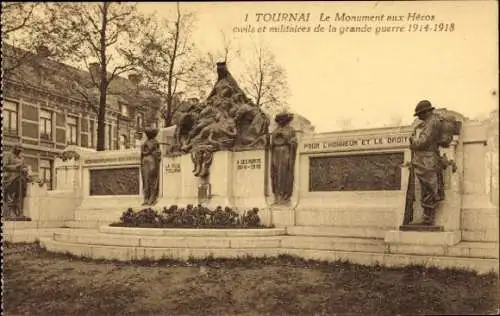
40, 283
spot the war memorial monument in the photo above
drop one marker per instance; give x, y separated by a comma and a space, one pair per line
421, 194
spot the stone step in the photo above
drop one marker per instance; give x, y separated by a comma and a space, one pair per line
32, 235
127, 253
86, 224
14, 225
108, 214
103, 239
192, 232
475, 250
334, 243
338, 231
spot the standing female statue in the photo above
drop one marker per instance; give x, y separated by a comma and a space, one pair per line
283, 151
15, 180
150, 166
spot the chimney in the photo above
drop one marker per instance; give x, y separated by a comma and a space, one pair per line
95, 69
135, 78
42, 51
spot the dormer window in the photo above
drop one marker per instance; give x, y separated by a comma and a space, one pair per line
124, 110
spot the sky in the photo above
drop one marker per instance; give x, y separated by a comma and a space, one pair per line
365, 78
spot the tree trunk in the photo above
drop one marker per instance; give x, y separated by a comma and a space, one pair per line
101, 122
103, 84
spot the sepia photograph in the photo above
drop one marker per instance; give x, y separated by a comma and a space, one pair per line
250, 158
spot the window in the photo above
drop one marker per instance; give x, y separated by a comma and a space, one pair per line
45, 172
45, 125
72, 131
92, 134
124, 110
110, 136
123, 144
139, 121
10, 116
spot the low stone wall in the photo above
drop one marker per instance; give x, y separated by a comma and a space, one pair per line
126, 244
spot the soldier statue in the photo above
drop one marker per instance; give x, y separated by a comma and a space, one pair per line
426, 161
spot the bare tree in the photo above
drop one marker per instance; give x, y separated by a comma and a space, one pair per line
167, 57
24, 29
99, 32
227, 51
265, 81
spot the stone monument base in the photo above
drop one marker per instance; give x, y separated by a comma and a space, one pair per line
421, 228
18, 219
282, 215
423, 238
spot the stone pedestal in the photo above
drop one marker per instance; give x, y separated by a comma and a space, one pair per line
180, 186
220, 180
282, 215
236, 179
171, 181
33, 200
423, 238
249, 179
68, 174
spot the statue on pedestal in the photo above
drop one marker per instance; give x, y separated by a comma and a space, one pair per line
150, 166
427, 164
283, 152
15, 180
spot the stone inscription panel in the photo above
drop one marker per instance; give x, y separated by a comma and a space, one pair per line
173, 167
364, 172
122, 181
355, 143
248, 164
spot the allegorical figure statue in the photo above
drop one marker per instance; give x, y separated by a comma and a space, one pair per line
15, 180
150, 166
283, 151
426, 162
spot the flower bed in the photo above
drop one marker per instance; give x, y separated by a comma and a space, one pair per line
190, 217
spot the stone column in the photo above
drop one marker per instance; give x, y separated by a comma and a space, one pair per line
492, 139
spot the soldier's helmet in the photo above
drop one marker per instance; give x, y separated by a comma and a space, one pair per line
422, 107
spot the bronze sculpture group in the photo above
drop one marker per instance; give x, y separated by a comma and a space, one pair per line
227, 120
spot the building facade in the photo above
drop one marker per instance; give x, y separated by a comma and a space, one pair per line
42, 111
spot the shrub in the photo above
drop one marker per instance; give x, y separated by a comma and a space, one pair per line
190, 217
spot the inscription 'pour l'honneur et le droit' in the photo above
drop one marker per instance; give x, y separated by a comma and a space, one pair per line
356, 143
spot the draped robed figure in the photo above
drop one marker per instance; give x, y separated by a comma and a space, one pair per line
283, 152
150, 167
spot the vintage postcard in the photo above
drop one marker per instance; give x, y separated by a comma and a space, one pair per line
250, 158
